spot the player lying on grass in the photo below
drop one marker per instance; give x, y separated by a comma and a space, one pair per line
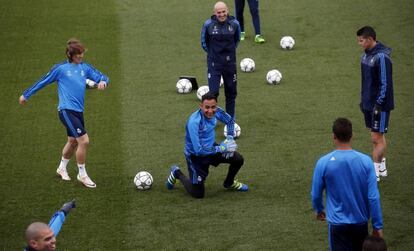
71, 76
42, 237
201, 151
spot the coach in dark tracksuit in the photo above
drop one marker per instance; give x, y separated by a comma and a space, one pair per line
220, 36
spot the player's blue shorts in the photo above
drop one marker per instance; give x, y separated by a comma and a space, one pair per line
377, 123
73, 121
198, 166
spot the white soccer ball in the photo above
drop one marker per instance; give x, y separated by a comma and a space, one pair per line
183, 86
90, 83
273, 77
247, 65
287, 42
237, 129
201, 91
143, 180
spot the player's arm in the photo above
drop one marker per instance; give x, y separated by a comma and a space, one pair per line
318, 185
200, 150
374, 198
47, 79
205, 36
225, 118
237, 33
101, 79
59, 217
385, 77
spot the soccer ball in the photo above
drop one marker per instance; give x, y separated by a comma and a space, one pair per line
273, 77
237, 129
221, 81
201, 91
247, 65
90, 83
287, 42
143, 180
183, 86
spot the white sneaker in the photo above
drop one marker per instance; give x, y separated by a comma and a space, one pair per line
63, 174
87, 181
383, 169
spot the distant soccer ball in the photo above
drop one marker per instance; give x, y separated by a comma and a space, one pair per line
221, 81
273, 77
201, 91
237, 129
143, 180
183, 86
90, 83
287, 42
247, 65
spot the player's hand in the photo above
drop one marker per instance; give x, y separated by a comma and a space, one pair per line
378, 233
22, 100
101, 85
321, 216
222, 148
68, 206
231, 145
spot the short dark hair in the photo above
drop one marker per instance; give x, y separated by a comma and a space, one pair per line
374, 243
74, 47
342, 129
208, 96
367, 31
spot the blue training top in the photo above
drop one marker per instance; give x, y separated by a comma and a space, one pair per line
71, 81
200, 132
352, 194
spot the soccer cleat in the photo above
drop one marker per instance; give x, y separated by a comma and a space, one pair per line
242, 35
259, 39
63, 174
172, 179
238, 186
383, 169
86, 181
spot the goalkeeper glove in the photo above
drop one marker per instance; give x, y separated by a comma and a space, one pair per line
68, 206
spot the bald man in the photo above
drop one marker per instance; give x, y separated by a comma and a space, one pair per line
42, 237
220, 36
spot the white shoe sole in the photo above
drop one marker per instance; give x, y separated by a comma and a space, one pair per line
62, 175
93, 185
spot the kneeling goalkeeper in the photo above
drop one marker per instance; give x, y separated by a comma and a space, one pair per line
201, 150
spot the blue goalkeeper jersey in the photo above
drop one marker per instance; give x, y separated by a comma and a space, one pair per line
71, 82
200, 132
352, 195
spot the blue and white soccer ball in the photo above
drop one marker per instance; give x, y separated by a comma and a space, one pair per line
273, 77
201, 91
237, 130
287, 42
247, 65
143, 180
183, 86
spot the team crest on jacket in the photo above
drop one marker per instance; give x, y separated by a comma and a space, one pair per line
230, 28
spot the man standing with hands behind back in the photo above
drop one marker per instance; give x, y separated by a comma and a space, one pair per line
377, 94
220, 36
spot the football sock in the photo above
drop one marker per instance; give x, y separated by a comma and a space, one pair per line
63, 164
233, 170
377, 168
383, 164
82, 170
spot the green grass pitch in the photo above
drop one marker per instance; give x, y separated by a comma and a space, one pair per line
138, 123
